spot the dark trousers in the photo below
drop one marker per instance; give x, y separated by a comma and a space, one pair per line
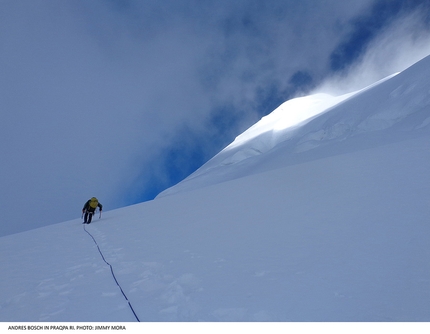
88, 217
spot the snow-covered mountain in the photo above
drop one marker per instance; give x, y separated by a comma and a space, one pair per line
319, 212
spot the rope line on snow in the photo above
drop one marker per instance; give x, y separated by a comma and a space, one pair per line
113, 274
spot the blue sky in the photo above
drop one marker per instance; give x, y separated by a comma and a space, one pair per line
121, 99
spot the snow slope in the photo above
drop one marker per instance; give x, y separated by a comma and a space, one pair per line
326, 221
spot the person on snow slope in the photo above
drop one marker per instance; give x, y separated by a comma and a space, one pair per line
90, 208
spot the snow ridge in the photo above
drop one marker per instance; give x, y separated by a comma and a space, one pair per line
321, 122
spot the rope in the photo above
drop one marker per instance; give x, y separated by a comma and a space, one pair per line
113, 275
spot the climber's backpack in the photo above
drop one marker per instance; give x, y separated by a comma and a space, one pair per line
94, 203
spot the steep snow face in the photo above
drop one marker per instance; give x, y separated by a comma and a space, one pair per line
269, 132
321, 123
280, 123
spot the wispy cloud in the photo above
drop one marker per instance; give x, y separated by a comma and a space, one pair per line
403, 40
